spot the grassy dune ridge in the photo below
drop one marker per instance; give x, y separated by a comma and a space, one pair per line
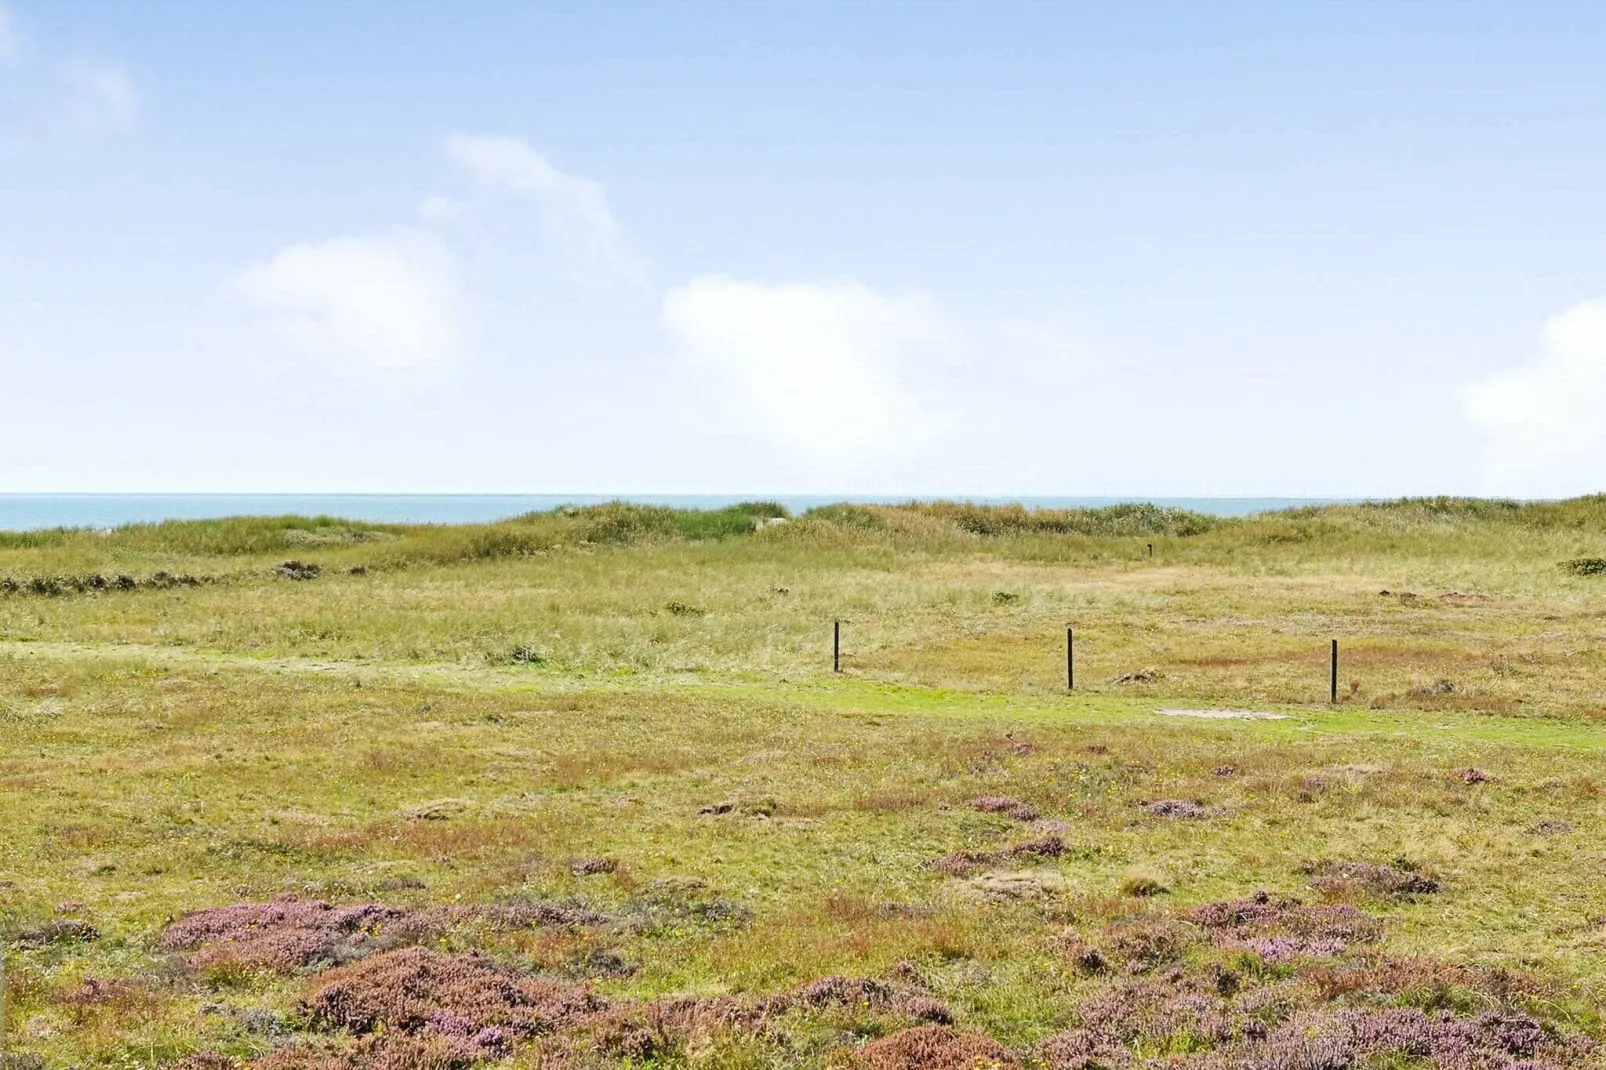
602, 749
1483, 611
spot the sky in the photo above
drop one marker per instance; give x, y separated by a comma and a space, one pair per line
1292, 248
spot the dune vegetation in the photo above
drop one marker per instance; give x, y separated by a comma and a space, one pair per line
580, 789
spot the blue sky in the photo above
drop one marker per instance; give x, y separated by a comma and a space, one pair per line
1305, 249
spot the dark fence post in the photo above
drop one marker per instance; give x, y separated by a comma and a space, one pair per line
1333, 682
1151, 549
1070, 660
836, 646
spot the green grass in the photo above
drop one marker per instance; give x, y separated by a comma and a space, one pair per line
585, 682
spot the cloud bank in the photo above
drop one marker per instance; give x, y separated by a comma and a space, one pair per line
572, 210
397, 301
828, 372
382, 302
820, 367
1544, 419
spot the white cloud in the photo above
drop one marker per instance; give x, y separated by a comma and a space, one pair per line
1544, 419
573, 209
506, 162
828, 368
400, 301
381, 303
103, 99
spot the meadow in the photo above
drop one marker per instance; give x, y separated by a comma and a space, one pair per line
581, 789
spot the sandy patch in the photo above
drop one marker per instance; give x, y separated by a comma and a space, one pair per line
1225, 715
1022, 884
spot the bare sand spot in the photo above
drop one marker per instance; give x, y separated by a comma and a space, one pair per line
1225, 715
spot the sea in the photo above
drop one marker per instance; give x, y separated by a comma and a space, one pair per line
32, 512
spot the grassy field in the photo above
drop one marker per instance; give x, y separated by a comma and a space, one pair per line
580, 789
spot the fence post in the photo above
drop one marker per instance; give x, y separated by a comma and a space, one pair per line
836, 646
1332, 690
1070, 660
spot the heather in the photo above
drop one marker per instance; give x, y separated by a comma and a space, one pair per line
291, 933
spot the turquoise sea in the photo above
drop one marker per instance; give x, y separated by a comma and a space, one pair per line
26, 512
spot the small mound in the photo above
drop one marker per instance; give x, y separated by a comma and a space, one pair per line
290, 934
589, 867
1497, 1040
298, 570
934, 1047
1281, 930
522, 913
1393, 978
415, 990
60, 931
1042, 847
1319, 1038
1144, 943
963, 863
643, 1032
1181, 809
865, 993
1003, 804
1148, 999
1337, 879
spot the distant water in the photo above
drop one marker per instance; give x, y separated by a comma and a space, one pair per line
28, 512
